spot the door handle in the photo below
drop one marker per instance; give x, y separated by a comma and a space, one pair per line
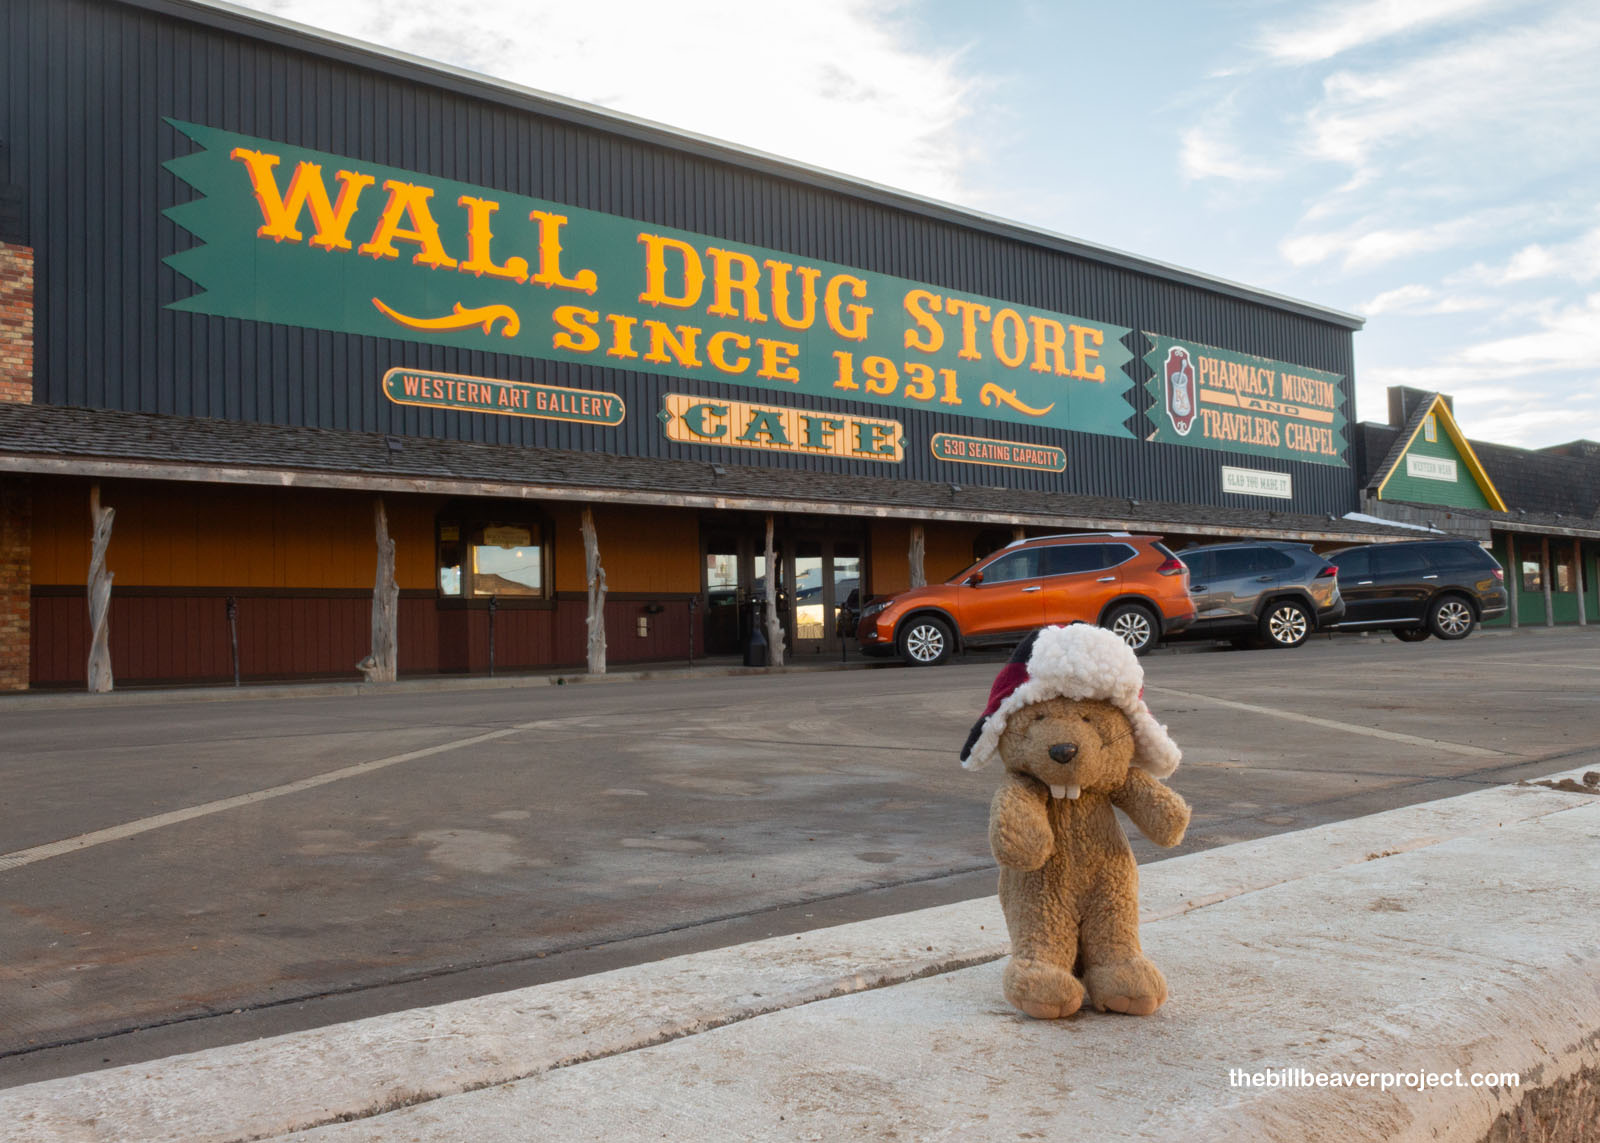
1263, 579
1430, 577
1363, 583
1107, 579
1197, 587
1035, 587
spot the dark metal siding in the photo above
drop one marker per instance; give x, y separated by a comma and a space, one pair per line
88, 82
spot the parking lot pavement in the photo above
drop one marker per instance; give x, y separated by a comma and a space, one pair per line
182, 873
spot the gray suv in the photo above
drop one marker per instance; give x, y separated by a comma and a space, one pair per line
1261, 591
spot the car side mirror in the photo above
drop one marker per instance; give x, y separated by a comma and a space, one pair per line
974, 579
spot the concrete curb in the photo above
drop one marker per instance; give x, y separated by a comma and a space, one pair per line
1291, 950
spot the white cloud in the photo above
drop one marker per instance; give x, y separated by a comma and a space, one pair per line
1568, 338
1483, 107
1341, 27
833, 83
1578, 260
1420, 299
1365, 244
1205, 156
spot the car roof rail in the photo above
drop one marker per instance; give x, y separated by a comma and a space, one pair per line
1064, 536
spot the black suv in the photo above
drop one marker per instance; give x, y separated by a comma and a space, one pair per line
1418, 588
1267, 591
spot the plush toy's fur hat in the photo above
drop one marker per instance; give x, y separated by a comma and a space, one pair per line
1074, 662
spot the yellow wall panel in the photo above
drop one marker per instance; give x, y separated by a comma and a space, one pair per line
222, 536
60, 532
645, 551
891, 558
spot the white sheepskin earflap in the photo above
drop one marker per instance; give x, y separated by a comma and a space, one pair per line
1082, 662
1154, 751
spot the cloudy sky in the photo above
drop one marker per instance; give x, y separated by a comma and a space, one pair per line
1433, 165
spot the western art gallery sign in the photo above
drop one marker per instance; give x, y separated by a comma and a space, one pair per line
304, 238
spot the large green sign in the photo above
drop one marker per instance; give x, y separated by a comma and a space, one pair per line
309, 239
1214, 398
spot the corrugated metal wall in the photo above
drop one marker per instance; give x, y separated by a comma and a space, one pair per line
88, 82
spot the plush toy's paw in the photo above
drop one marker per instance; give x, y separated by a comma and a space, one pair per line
1043, 990
1134, 986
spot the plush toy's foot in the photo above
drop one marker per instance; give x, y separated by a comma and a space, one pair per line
1043, 990
1134, 986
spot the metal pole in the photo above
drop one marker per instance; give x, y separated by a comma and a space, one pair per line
1545, 570
1577, 562
1514, 584
494, 605
233, 635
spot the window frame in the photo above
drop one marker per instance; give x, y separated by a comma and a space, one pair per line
469, 522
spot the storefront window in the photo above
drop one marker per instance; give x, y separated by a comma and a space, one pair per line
450, 559
1532, 575
1563, 570
810, 617
506, 560
501, 559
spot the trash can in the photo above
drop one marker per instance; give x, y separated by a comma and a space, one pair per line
755, 649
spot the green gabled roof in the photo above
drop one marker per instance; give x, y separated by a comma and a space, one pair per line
1436, 407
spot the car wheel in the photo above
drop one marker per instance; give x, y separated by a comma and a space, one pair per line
925, 641
1134, 625
1410, 634
1285, 623
1451, 617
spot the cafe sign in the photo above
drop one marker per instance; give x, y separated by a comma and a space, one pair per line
322, 241
1215, 398
774, 428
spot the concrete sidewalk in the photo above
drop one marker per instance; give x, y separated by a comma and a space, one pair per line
1458, 934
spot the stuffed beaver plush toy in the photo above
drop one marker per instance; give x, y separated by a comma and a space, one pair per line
1067, 719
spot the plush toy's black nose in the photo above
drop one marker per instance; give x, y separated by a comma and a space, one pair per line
1064, 751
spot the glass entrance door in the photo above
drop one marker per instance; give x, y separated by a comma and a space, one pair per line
825, 572
817, 575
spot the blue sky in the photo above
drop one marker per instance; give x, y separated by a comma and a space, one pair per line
1433, 165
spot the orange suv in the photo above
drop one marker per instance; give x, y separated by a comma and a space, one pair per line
1130, 584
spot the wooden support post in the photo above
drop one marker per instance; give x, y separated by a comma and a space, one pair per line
1513, 578
774, 627
100, 681
1577, 566
919, 549
1018, 533
596, 579
382, 665
1544, 561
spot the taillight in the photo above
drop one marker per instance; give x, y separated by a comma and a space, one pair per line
1330, 570
1500, 574
1172, 566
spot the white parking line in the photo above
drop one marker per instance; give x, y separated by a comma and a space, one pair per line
1346, 727
21, 857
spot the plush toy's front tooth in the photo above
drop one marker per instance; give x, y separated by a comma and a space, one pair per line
1061, 791
1072, 793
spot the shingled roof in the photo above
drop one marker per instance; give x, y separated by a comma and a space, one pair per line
91, 442
1554, 490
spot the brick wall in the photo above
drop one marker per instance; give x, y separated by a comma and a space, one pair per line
16, 323
15, 585
16, 501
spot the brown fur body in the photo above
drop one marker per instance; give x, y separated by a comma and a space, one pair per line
1069, 885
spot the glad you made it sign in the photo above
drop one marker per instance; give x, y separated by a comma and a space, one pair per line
322, 241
